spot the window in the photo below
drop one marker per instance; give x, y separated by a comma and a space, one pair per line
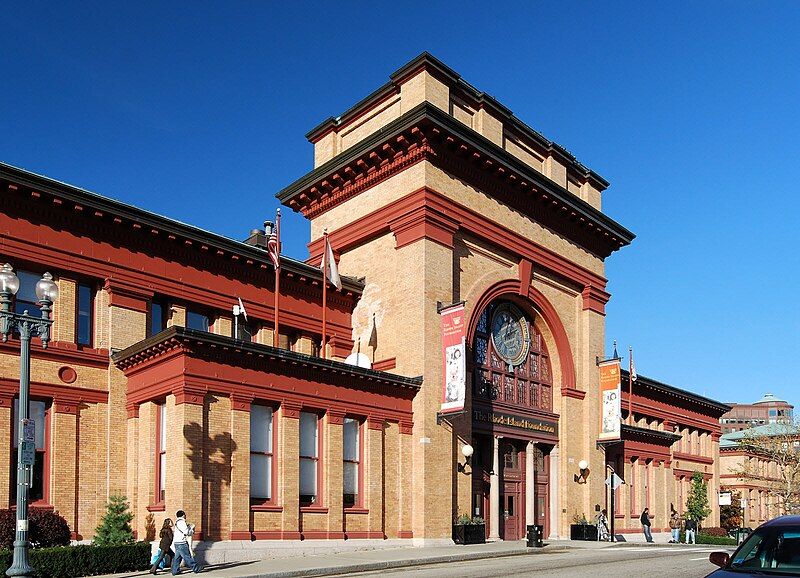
195, 320
309, 459
244, 331
158, 317
161, 452
39, 412
25, 298
85, 307
261, 465
352, 462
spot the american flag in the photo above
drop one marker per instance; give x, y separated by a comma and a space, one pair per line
273, 249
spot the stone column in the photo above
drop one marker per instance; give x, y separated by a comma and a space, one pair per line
239, 523
555, 501
63, 484
530, 485
334, 472
289, 469
373, 477
494, 492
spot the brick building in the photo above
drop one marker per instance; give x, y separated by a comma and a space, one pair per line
767, 410
432, 192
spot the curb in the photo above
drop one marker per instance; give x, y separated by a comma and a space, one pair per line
390, 564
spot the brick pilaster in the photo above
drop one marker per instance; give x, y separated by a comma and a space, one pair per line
334, 472
373, 477
63, 480
289, 469
240, 468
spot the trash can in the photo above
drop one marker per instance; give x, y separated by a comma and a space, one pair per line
742, 534
535, 538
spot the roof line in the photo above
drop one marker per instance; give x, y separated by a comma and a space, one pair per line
102, 203
177, 331
671, 389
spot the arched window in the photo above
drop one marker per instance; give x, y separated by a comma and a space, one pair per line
502, 370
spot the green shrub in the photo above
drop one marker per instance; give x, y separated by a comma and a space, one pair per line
115, 527
715, 540
74, 561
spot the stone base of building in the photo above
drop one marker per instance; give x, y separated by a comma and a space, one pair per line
229, 551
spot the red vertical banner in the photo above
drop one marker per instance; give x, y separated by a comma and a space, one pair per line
610, 402
454, 358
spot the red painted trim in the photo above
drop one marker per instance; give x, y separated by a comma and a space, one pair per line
595, 299
423, 223
132, 410
405, 534
127, 296
240, 535
266, 508
385, 364
356, 511
67, 374
510, 289
66, 407
525, 276
64, 393
406, 428
61, 351
241, 402
426, 203
375, 424
573, 393
692, 458
160, 507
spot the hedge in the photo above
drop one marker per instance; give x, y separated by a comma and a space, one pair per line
84, 560
703, 538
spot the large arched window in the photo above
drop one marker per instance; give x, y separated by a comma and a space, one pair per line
510, 363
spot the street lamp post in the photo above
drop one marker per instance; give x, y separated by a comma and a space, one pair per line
26, 326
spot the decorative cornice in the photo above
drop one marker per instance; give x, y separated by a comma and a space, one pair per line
428, 133
61, 351
241, 402
595, 299
67, 394
424, 223
573, 393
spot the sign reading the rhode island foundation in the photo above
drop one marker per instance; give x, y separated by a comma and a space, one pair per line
610, 402
454, 365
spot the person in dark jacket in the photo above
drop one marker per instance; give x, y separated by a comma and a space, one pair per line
691, 529
645, 519
164, 546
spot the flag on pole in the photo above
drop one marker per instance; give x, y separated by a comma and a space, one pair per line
329, 263
373, 336
631, 379
633, 366
273, 249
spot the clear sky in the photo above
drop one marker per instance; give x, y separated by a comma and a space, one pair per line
197, 110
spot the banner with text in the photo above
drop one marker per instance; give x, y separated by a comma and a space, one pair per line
454, 358
610, 400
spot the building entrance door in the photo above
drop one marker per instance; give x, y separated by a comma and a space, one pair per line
512, 510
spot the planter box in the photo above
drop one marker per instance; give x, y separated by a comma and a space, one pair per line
469, 534
587, 532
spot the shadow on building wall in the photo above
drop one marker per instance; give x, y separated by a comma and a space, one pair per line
210, 459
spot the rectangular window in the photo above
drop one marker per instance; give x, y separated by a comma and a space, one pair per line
39, 412
25, 299
309, 459
161, 452
195, 320
85, 309
158, 317
351, 434
261, 465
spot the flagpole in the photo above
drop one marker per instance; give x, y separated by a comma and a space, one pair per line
276, 333
630, 384
324, 291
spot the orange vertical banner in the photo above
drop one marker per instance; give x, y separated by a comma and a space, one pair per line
454, 362
610, 400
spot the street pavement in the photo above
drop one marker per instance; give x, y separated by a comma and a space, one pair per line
621, 561
501, 559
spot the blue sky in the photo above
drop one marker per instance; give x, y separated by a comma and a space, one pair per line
197, 110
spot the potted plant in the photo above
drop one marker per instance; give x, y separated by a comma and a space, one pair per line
581, 529
469, 530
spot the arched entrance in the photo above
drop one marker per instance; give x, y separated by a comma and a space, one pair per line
514, 427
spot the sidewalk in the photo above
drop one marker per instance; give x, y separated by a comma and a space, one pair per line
371, 560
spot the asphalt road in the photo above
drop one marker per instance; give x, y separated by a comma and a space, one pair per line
673, 562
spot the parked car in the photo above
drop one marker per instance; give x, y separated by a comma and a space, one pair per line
774, 548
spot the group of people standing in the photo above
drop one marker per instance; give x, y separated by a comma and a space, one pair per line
675, 522
175, 543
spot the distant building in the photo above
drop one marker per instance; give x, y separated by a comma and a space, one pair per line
769, 409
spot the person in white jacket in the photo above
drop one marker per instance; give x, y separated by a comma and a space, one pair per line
182, 533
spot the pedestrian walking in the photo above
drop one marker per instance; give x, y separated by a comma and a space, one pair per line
691, 529
183, 530
602, 526
645, 520
675, 526
164, 546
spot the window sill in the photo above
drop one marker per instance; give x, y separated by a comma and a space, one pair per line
160, 507
266, 508
356, 510
37, 506
313, 509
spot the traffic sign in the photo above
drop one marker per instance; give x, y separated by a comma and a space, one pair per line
28, 453
614, 481
28, 430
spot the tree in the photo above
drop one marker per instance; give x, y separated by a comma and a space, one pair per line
115, 527
773, 463
731, 516
697, 501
